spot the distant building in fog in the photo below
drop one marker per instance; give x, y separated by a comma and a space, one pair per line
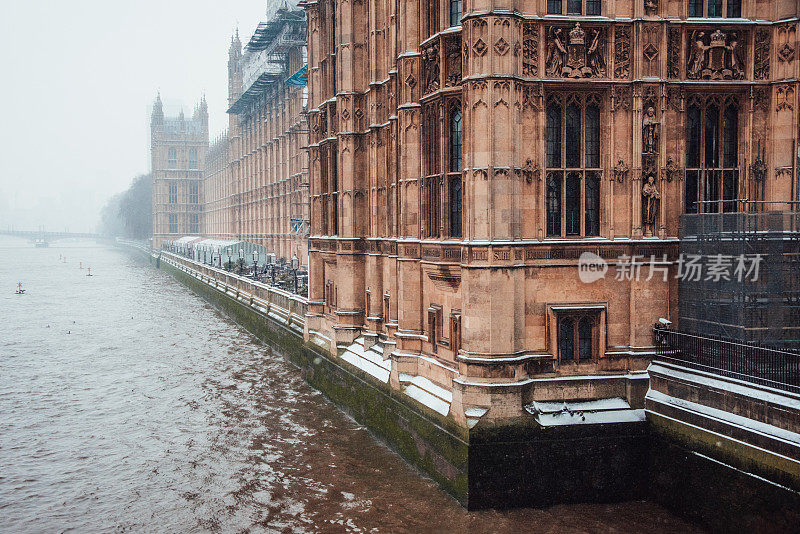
178, 153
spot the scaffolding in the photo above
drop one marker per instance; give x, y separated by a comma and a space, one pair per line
763, 311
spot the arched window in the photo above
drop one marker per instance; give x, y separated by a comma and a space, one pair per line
575, 172
712, 155
192, 158
566, 341
455, 140
455, 206
172, 158
455, 13
585, 339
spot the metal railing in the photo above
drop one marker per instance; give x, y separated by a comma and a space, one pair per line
750, 363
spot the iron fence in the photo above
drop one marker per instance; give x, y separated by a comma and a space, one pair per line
751, 363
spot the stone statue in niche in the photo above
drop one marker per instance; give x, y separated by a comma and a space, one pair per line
650, 133
556, 53
715, 57
575, 59
650, 202
620, 171
651, 7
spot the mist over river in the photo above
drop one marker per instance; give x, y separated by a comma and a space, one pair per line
128, 404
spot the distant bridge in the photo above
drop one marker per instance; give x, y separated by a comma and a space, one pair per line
48, 237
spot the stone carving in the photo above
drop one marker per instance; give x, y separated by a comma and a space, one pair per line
556, 53
650, 131
530, 49
786, 36
715, 57
531, 170
620, 97
501, 46
784, 97
651, 199
651, 7
780, 171
674, 98
479, 47
452, 62
671, 170
761, 54
758, 169
430, 67
575, 59
620, 171
651, 37
622, 52
674, 53
761, 97
531, 96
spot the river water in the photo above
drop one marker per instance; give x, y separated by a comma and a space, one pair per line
128, 404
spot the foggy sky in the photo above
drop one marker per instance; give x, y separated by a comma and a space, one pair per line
79, 78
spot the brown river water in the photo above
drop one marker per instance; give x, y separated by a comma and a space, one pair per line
128, 404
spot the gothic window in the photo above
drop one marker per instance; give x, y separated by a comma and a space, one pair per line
329, 197
695, 8
574, 7
432, 182
576, 337
714, 8
192, 158
172, 158
712, 155
194, 223
455, 206
173, 223
431, 17
173, 193
455, 13
455, 140
734, 8
573, 189
194, 197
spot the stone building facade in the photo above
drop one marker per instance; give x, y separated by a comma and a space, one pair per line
267, 138
466, 155
178, 152
218, 196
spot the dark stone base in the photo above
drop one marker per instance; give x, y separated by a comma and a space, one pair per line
524, 465
716, 495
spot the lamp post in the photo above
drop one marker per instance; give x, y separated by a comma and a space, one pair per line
295, 266
241, 261
228, 264
272, 267
255, 264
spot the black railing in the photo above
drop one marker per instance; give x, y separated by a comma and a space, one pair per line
760, 365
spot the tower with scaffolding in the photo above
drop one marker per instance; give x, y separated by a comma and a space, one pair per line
753, 294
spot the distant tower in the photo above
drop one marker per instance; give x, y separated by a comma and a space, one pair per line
178, 149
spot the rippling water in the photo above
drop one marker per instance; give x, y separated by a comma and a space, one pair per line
129, 404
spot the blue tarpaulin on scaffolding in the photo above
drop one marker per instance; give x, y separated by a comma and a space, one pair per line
299, 78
